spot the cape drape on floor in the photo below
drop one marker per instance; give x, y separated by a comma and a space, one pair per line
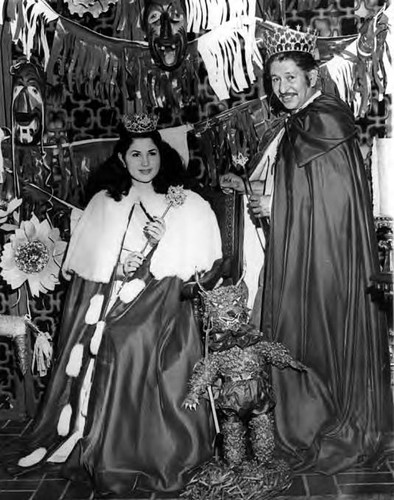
322, 253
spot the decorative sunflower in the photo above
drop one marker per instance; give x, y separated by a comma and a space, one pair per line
34, 254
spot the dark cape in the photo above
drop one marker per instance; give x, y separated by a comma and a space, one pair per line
322, 253
137, 435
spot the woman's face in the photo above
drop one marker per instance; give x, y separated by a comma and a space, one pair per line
290, 83
143, 160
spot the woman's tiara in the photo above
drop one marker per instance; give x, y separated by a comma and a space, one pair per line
284, 39
140, 123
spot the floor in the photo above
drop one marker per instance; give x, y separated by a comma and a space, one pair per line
351, 485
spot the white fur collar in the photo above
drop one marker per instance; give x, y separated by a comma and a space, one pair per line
191, 241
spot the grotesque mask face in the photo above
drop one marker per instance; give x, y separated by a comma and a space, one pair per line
165, 25
27, 103
226, 307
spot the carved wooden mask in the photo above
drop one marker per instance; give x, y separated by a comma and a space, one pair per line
27, 103
164, 22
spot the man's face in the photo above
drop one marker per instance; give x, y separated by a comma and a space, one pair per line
27, 105
165, 26
292, 85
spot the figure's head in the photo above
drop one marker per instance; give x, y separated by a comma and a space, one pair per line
293, 76
225, 307
165, 24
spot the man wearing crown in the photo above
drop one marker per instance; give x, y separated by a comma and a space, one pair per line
320, 256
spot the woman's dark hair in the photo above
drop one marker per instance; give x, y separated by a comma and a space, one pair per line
113, 177
304, 60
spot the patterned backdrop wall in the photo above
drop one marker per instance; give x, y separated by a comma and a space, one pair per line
72, 116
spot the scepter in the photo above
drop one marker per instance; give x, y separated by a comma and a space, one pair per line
262, 222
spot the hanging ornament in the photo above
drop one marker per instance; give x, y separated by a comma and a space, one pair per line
27, 103
164, 22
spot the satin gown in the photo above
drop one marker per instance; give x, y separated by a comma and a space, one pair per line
137, 436
322, 253
128, 431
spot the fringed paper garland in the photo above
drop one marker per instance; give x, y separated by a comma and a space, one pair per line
225, 51
209, 14
27, 22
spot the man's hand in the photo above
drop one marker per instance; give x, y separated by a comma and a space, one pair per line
259, 205
231, 182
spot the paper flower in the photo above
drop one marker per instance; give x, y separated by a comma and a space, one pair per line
240, 159
34, 254
6, 209
175, 196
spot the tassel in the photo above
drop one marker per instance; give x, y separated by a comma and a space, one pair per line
97, 336
63, 426
94, 311
130, 290
75, 362
42, 354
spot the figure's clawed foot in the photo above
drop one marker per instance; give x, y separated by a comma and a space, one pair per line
190, 404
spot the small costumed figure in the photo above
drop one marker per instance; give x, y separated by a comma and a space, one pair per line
236, 364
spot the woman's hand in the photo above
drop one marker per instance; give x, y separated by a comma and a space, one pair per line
154, 230
231, 182
132, 262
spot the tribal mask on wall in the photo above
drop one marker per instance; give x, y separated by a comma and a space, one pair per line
27, 103
164, 22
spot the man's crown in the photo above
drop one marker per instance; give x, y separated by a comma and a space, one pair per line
283, 39
138, 124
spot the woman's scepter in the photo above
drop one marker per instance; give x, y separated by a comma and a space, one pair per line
175, 197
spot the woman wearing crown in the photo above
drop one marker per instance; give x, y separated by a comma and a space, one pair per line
321, 254
128, 341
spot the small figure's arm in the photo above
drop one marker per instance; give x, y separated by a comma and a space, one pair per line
278, 355
204, 373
